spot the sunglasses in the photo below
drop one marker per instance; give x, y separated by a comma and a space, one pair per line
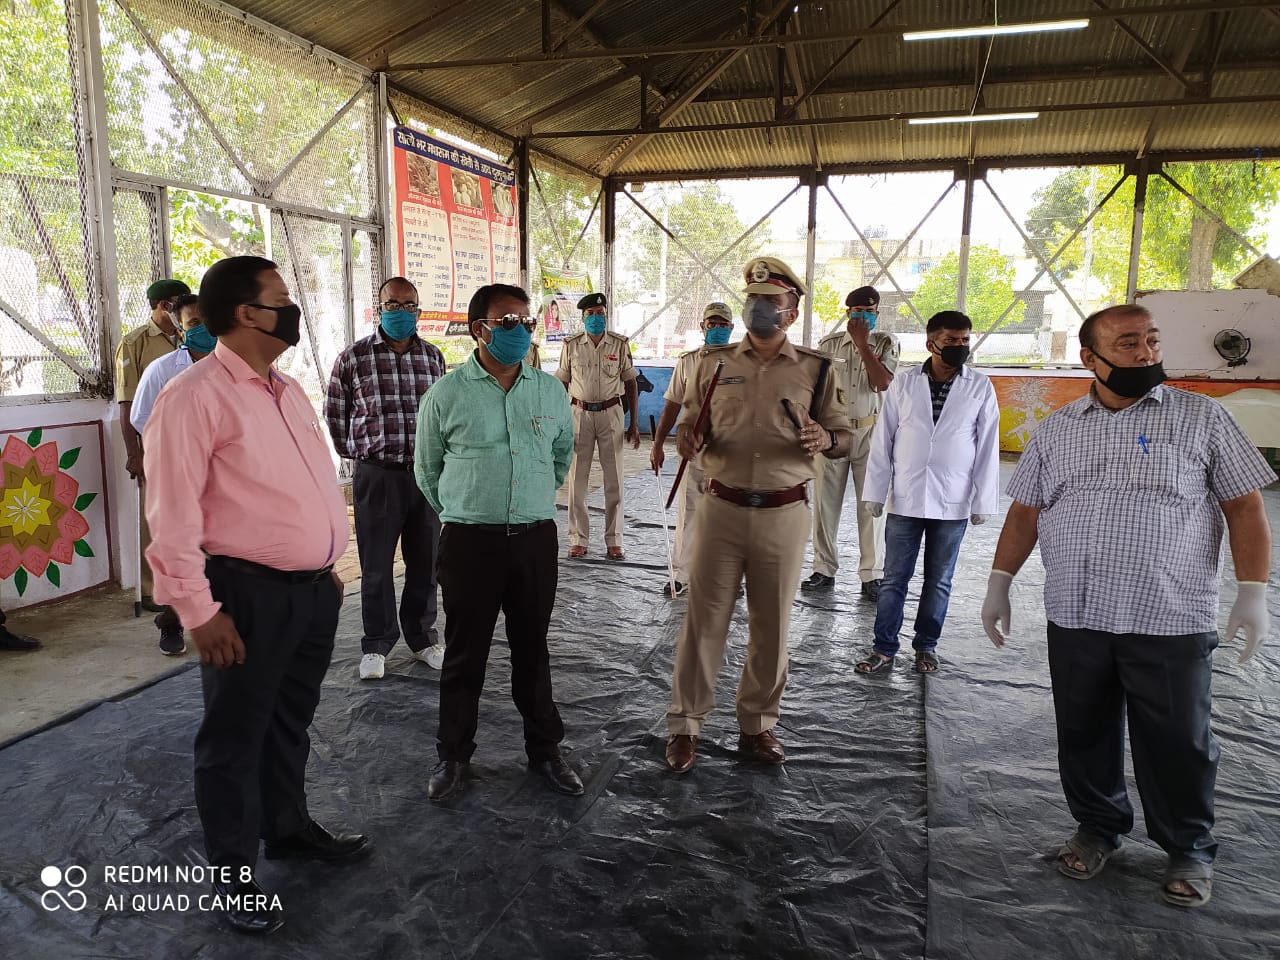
513, 320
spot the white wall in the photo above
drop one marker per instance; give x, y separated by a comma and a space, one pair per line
1188, 321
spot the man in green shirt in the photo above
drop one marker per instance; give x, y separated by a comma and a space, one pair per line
494, 442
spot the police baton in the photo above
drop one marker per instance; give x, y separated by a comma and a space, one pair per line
666, 537
699, 425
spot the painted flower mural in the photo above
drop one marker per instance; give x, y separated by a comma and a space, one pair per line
41, 523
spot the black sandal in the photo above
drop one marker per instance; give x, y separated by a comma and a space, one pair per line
926, 662
873, 662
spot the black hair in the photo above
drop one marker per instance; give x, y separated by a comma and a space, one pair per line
948, 320
228, 284
390, 280
186, 300
1089, 329
478, 308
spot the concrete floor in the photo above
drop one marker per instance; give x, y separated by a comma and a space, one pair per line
94, 649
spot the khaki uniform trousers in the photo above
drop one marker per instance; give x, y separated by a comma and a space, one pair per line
693, 487
144, 540
832, 482
602, 430
767, 545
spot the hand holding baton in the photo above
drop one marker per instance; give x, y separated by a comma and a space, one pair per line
699, 426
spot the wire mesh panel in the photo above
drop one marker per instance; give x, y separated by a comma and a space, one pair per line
139, 256
49, 325
366, 278
564, 222
679, 246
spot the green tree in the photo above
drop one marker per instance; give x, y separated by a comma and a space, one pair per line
988, 292
561, 209
1182, 247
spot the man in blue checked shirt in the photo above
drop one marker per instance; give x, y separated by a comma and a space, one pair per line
1128, 491
495, 438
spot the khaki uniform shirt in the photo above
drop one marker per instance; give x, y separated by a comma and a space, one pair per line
851, 372
596, 373
138, 348
751, 442
680, 377
533, 358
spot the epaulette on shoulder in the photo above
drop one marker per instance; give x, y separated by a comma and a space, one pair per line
711, 350
575, 336
809, 351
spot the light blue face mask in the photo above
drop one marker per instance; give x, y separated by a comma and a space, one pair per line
509, 347
399, 324
718, 336
199, 339
855, 313
593, 323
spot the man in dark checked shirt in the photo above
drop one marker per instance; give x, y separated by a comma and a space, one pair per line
372, 410
1128, 490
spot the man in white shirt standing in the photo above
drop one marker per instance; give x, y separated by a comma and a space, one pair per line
935, 460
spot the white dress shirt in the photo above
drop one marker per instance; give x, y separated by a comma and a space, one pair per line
158, 373
944, 471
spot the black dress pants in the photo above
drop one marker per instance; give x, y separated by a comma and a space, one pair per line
389, 508
1163, 684
252, 747
483, 571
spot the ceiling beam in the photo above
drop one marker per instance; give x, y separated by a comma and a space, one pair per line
379, 51
804, 95
1150, 51
577, 25
767, 40
589, 92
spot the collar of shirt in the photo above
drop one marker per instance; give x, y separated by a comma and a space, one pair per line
154, 331
415, 342
1091, 401
239, 368
961, 371
472, 369
788, 349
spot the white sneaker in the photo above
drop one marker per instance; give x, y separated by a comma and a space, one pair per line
432, 656
372, 666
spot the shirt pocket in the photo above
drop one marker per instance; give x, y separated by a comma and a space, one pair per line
1159, 470
542, 430
610, 367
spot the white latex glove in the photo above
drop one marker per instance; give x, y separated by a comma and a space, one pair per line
876, 508
978, 519
1249, 613
995, 607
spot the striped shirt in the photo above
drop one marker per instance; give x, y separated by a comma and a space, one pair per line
938, 390
1130, 529
371, 405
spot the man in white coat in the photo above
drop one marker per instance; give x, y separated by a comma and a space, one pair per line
935, 460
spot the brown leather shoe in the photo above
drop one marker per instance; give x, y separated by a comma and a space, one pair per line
576, 552
682, 749
615, 553
762, 746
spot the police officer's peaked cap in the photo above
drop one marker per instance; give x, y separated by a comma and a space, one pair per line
770, 275
717, 309
863, 297
591, 300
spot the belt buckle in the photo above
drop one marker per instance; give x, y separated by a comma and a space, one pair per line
757, 499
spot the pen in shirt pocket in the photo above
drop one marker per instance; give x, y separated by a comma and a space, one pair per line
536, 423
1142, 442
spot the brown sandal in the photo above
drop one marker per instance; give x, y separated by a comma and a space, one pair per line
926, 662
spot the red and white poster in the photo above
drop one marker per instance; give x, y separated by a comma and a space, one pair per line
455, 215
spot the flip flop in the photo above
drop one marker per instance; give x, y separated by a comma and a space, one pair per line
1196, 874
873, 663
1091, 850
926, 661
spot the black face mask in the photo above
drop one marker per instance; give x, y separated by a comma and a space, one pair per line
954, 355
762, 317
1131, 382
287, 319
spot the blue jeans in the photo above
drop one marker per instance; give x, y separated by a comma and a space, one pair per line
901, 547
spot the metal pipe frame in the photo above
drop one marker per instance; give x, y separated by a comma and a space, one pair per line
348, 285
1135, 238
303, 300
59, 354
382, 177
270, 188
1215, 216
966, 226
551, 221
810, 252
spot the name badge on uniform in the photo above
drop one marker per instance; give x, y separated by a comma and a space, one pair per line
611, 356
724, 380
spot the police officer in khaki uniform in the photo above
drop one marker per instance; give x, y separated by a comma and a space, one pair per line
754, 519
717, 325
596, 369
534, 357
865, 360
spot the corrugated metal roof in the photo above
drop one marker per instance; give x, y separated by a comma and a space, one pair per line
1101, 66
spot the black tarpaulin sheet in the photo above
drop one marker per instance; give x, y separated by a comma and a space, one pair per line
857, 847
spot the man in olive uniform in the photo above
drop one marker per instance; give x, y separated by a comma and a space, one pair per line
865, 360
596, 369
776, 409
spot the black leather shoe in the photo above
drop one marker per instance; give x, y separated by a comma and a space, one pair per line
817, 583
16, 641
871, 589
150, 605
314, 842
248, 908
560, 775
446, 779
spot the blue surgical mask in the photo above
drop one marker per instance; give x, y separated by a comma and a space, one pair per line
199, 339
855, 314
718, 336
399, 324
509, 346
593, 323
762, 317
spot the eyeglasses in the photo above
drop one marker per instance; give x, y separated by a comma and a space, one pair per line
391, 305
513, 320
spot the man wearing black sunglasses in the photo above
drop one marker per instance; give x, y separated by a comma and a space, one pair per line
494, 441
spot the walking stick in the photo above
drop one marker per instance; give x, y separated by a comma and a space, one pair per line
666, 537
699, 425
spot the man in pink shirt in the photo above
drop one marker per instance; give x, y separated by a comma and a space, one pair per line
247, 521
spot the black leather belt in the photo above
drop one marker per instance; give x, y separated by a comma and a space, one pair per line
591, 407
386, 464
270, 573
757, 498
506, 529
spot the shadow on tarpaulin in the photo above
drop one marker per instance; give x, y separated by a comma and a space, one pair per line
914, 817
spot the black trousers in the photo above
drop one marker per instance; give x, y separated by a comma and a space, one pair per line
1163, 684
389, 508
482, 572
252, 747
